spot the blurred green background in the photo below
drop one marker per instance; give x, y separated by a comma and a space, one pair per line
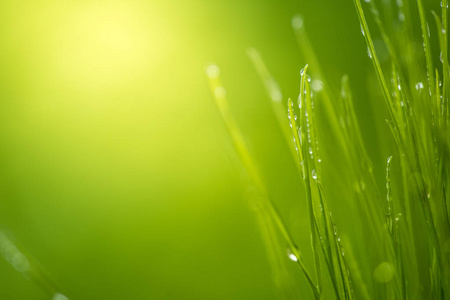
117, 175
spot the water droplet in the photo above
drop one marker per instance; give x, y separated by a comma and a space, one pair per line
401, 16
317, 85
399, 3
367, 1
369, 53
419, 86
213, 71
302, 71
292, 256
362, 30
384, 272
297, 22
399, 87
314, 174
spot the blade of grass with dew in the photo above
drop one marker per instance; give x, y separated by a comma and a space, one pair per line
426, 45
336, 254
417, 142
219, 95
311, 152
306, 131
389, 195
327, 93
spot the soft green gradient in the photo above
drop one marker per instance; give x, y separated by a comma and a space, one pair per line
116, 173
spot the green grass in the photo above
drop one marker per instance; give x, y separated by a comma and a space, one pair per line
403, 240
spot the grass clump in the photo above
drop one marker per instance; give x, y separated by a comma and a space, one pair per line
402, 249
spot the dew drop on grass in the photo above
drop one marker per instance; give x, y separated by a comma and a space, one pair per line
317, 85
314, 174
401, 16
419, 86
367, 1
292, 256
213, 71
59, 296
384, 272
297, 22
301, 74
362, 30
369, 53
